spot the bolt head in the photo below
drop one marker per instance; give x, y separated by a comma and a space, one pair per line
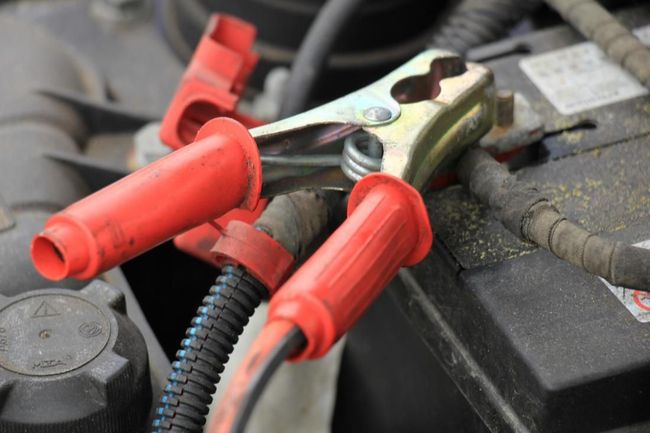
377, 114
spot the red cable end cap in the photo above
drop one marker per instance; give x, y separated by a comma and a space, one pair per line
55, 257
238, 132
259, 253
419, 209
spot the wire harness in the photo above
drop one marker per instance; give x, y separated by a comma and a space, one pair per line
205, 350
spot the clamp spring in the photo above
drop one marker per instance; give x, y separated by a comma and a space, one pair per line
362, 155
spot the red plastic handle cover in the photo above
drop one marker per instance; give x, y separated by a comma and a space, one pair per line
220, 171
387, 228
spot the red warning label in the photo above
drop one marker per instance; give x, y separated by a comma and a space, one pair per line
637, 302
642, 299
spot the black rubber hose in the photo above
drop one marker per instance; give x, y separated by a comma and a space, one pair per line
205, 350
532, 217
314, 51
476, 22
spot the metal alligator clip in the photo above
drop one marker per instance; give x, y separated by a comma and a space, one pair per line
409, 124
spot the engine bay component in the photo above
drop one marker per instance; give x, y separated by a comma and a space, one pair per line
71, 361
484, 332
213, 81
32, 126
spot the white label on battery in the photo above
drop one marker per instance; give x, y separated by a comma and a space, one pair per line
581, 77
636, 301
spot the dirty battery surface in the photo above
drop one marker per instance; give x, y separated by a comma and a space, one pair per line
502, 336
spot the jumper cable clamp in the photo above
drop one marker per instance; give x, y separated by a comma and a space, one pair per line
384, 143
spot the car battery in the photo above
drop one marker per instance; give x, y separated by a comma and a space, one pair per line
491, 334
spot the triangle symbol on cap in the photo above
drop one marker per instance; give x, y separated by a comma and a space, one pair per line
45, 310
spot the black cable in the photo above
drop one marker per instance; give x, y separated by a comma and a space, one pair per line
293, 340
314, 51
477, 22
531, 216
205, 350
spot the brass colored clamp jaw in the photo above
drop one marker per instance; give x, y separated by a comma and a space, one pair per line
410, 124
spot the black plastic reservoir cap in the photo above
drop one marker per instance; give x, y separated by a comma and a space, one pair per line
71, 361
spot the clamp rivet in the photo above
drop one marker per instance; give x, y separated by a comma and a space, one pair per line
377, 114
